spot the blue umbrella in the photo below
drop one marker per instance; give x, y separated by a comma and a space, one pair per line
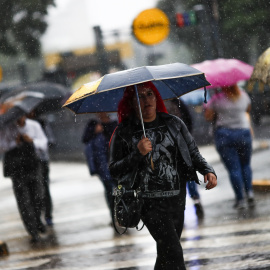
103, 95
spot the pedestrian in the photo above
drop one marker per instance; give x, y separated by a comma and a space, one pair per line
175, 159
96, 138
178, 108
229, 111
44, 167
21, 142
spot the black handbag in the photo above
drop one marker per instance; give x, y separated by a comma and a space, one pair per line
127, 208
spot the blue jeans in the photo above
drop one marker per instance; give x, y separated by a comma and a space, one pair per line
235, 148
193, 190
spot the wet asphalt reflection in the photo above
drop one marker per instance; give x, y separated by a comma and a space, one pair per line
82, 237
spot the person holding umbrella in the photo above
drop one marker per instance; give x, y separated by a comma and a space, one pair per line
164, 155
233, 138
21, 141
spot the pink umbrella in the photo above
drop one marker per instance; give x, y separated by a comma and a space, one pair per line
224, 72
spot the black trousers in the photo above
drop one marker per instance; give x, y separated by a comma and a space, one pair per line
164, 219
28, 191
45, 180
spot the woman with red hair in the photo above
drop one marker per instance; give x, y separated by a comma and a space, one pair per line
158, 164
124, 108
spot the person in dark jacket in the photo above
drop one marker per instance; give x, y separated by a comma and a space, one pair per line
44, 167
96, 138
22, 142
161, 163
179, 108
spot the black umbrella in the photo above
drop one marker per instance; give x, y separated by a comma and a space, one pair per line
19, 106
54, 95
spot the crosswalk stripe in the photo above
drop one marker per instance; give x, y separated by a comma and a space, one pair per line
254, 240
240, 244
26, 264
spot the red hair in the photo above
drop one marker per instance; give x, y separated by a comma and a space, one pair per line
124, 108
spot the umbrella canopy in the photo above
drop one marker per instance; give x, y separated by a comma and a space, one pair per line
54, 95
103, 95
224, 72
19, 105
261, 72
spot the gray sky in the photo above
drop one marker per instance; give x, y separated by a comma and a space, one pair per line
71, 21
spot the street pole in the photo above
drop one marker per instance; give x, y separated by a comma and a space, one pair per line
101, 52
205, 31
209, 29
212, 6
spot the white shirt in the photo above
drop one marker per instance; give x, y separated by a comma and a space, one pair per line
230, 114
31, 128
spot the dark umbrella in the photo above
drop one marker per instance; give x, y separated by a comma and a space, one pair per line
103, 95
18, 106
54, 95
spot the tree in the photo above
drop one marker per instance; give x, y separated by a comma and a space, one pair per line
22, 22
242, 21
243, 25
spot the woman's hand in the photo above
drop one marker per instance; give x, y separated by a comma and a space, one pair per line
144, 146
212, 180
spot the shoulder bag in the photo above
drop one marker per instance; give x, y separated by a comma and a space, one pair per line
127, 208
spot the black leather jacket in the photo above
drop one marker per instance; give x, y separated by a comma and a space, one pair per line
124, 161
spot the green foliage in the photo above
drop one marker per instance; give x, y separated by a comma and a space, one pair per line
239, 22
22, 22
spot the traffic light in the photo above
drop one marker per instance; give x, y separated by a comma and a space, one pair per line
186, 19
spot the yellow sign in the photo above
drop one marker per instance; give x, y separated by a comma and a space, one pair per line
151, 26
1, 73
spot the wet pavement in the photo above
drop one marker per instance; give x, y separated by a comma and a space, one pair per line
83, 239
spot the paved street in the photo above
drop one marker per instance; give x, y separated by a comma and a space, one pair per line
82, 238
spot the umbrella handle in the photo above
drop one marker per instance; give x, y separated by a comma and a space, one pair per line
140, 110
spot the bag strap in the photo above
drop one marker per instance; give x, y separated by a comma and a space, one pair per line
137, 228
114, 225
